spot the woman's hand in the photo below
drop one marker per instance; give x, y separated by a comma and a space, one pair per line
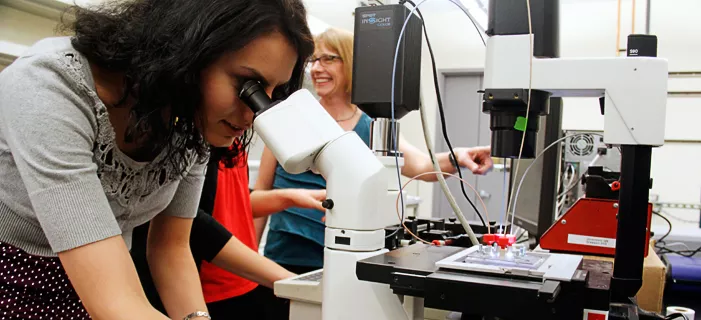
477, 159
103, 271
308, 199
241, 260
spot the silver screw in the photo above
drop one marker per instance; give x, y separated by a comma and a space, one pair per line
615, 205
564, 221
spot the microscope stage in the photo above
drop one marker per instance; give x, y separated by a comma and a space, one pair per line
547, 266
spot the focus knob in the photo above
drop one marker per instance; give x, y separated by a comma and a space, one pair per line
327, 204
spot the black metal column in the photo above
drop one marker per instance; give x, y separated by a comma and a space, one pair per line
633, 201
551, 168
510, 17
632, 222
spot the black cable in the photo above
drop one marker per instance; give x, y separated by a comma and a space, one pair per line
662, 248
661, 240
440, 110
683, 253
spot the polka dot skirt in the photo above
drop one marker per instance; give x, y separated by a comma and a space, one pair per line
33, 287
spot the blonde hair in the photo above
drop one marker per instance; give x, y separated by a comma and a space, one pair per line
340, 41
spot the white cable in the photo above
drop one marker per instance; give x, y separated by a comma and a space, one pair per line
572, 184
505, 199
480, 31
571, 175
523, 177
530, 86
441, 180
558, 207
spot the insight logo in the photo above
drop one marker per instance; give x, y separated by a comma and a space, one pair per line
371, 18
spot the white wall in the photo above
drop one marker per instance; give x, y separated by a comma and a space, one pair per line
19, 29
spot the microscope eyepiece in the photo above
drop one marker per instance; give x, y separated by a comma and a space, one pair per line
253, 94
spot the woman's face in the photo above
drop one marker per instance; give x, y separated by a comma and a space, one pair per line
328, 74
269, 59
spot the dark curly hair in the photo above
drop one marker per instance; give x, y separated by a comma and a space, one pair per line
162, 46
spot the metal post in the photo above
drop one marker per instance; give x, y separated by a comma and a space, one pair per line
632, 221
647, 17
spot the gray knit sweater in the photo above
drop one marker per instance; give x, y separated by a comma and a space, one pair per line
63, 181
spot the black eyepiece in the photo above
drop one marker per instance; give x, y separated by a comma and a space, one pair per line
253, 94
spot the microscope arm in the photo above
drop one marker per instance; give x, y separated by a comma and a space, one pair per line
303, 136
628, 85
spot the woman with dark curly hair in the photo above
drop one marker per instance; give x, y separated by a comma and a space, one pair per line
108, 129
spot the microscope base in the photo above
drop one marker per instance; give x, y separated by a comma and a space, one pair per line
346, 297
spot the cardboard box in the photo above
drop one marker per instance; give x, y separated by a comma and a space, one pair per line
654, 278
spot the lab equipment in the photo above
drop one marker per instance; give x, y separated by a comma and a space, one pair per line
516, 81
590, 225
357, 196
521, 76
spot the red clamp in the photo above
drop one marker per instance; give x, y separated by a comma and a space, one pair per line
506, 240
615, 186
503, 240
489, 239
439, 243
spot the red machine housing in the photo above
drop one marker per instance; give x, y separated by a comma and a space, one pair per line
588, 227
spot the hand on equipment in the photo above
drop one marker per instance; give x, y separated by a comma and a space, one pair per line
477, 159
309, 199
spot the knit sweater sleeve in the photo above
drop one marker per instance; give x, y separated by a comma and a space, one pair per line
49, 125
187, 196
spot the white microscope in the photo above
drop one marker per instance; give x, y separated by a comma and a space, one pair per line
303, 136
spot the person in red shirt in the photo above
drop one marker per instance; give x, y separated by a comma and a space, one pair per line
234, 290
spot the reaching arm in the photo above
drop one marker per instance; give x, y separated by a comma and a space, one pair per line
210, 241
168, 250
172, 266
103, 271
477, 160
417, 162
208, 237
267, 202
239, 259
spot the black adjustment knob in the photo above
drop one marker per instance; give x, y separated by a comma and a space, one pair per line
327, 204
452, 219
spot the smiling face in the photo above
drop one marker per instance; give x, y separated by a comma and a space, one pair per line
328, 72
269, 59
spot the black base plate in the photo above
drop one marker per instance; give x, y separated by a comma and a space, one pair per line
412, 271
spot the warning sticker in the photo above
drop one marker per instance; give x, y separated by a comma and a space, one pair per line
591, 241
